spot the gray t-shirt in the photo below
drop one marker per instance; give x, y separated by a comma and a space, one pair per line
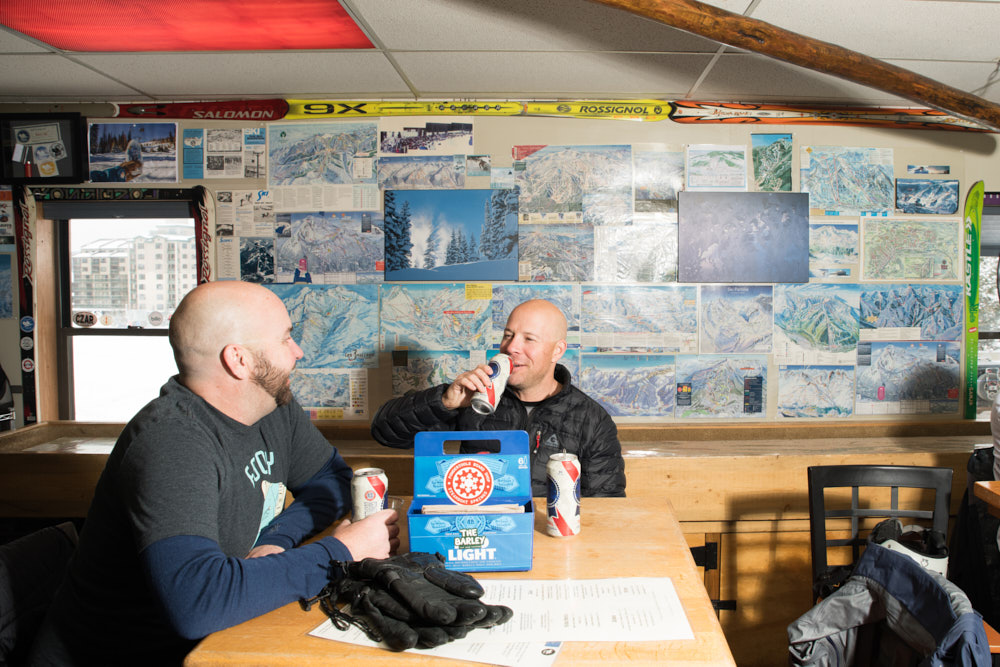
181, 468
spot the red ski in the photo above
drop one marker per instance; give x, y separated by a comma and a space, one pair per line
704, 113
273, 109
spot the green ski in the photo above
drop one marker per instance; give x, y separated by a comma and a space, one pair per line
973, 223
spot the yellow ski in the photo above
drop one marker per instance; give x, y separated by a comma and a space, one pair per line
326, 109
607, 109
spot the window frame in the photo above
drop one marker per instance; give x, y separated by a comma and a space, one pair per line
65, 332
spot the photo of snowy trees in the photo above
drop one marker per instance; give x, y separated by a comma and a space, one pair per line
451, 234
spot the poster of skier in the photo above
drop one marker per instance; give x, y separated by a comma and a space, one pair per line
133, 152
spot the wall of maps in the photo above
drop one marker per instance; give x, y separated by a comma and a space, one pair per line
400, 246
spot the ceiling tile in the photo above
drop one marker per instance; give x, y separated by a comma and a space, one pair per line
753, 78
515, 25
51, 76
12, 42
280, 74
893, 28
521, 75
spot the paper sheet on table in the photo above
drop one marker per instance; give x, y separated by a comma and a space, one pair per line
612, 610
628, 609
507, 654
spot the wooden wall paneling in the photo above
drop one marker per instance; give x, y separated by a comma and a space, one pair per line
768, 576
46, 320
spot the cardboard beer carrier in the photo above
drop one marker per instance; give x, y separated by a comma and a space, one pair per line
475, 509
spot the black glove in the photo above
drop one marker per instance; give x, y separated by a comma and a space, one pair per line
400, 635
413, 600
420, 580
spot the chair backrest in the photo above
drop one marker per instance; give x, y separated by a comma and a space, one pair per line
857, 477
31, 569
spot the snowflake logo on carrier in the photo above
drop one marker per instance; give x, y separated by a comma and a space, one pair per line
468, 482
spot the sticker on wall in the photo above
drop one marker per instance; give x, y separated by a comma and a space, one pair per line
84, 319
928, 169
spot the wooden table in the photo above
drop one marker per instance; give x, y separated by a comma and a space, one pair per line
989, 493
620, 537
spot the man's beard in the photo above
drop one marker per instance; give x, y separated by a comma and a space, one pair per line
272, 380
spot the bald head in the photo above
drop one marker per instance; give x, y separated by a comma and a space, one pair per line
550, 320
217, 314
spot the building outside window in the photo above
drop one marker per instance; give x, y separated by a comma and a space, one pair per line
115, 350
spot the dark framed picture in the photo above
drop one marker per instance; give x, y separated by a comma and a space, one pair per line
42, 148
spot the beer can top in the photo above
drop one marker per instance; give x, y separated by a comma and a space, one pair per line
563, 456
368, 472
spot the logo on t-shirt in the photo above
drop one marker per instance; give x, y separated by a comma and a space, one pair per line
274, 502
260, 465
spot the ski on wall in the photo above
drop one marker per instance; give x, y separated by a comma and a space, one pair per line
973, 225
681, 111
650, 110
327, 109
707, 113
273, 109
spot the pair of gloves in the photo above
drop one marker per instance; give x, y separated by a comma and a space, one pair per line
408, 600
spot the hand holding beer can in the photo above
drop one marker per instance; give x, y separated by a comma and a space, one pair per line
563, 471
368, 492
485, 402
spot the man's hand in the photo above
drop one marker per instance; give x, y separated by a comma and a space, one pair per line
376, 536
264, 550
459, 393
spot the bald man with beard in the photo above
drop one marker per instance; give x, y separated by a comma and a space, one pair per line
540, 399
187, 533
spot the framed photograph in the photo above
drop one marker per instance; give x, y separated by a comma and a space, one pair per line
42, 148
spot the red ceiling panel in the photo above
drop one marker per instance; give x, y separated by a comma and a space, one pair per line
185, 25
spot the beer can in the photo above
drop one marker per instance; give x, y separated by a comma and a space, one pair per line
564, 495
485, 402
369, 488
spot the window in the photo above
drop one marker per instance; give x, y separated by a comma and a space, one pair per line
114, 354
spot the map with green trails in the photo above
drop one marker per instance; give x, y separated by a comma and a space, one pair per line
911, 250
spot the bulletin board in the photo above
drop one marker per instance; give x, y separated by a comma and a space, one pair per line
42, 148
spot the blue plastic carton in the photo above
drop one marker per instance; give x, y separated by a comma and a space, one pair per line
476, 540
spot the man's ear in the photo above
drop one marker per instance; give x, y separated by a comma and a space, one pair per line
237, 361
559, 350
